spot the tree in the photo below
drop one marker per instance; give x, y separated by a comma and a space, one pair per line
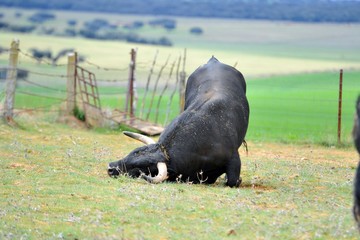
196, 30
72, 22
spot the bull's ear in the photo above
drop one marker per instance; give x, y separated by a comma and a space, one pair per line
140, 137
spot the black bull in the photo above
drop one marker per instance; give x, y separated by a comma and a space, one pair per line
202, 142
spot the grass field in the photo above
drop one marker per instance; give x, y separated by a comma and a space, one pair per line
302, 107
54, 186
297, 182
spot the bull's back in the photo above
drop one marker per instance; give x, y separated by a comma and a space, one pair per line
215, 79
216, 114
218, 93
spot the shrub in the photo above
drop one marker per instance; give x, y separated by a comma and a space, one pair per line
41, 17
196, 30
134, 25
23, 29
166, 23
70, 32
40, 54
72, 22
165, 42
96, 24
3, 25
79, 114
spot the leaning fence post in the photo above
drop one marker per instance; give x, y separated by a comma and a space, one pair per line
71, 83
11, 81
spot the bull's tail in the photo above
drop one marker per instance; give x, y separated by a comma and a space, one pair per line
246, 146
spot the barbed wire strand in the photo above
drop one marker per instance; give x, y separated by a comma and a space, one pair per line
112, 80
43, 86
38, 95
36, 73
40, 60
113, 93
105, 68
18, 111
48, 74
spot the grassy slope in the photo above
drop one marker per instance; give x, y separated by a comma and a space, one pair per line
259, 47
54, 185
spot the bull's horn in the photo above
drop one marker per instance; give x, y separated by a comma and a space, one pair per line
162, 175
140, 137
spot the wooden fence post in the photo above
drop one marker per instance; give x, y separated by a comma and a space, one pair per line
71, 83
182, 84
11, 81
182, 90
340, 106
131, 91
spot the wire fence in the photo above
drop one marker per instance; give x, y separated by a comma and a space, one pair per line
44, 86
301, 107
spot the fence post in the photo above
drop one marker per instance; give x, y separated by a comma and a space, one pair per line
340, 106
182, 84
71, 83
11, 81
130, 95
182, 91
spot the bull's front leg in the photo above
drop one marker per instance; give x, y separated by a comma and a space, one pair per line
233, 169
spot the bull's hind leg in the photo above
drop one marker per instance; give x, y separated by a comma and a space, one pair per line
233, 169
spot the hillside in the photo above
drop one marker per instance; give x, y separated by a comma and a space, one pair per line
299, 11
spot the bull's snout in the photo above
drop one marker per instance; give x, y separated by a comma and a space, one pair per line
112, 171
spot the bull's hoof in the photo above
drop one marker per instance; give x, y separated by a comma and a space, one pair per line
239, 182
233, 183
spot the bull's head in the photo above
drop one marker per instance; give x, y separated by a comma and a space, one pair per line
147, 162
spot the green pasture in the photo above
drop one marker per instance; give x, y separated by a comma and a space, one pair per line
54, 186
302, 108
289, 108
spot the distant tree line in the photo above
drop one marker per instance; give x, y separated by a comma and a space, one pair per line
289, 10
95, 29
101, 29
